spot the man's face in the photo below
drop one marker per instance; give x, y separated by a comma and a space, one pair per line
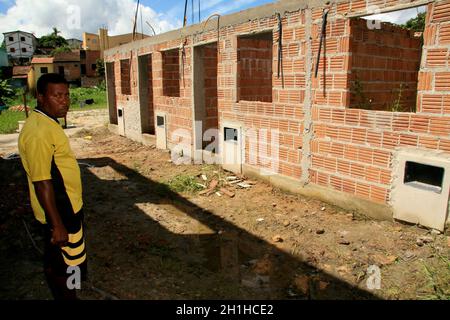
56, 100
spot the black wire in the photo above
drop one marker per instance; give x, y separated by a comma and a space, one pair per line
322, 35
185, 11
280, 43
135, 19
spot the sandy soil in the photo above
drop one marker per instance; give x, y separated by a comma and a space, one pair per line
149, 240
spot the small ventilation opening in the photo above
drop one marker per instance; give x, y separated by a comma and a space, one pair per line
160, 121
423, 176
230, 134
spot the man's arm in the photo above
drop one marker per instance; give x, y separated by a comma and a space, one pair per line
46, 196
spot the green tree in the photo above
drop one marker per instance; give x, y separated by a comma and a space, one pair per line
55, 31
3, 46
100, 67
52, 40
6, 91
60, 50
417, 23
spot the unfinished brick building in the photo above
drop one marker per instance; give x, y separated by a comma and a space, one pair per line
371, 132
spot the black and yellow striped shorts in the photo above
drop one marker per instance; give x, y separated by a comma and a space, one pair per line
59, 259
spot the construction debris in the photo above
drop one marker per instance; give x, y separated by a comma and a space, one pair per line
227, 192
212, 186
424, 240
244, 185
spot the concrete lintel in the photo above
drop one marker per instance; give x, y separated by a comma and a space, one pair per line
334, 197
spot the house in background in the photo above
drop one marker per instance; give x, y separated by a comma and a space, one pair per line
39, 66
20, 76
74, 43
68, 65
88, 65
20, 45
102, 41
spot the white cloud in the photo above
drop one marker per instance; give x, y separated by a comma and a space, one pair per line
398, 17
117, 15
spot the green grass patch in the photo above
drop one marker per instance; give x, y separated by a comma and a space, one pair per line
9, 119
183, 183
79, 95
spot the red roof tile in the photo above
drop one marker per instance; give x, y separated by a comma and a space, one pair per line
21, 70
42, 60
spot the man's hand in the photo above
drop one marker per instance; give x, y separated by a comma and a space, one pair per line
46, 197
60, 236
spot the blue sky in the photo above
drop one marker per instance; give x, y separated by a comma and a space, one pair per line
40, 16
73, 17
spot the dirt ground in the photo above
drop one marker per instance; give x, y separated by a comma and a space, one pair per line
153, 233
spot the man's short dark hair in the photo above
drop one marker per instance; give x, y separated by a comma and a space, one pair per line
47, 78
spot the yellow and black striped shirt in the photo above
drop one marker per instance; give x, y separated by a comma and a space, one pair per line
46, 155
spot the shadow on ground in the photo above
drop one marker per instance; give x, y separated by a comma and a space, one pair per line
136, 255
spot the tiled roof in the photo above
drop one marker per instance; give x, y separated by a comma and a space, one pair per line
21, 70
42, 60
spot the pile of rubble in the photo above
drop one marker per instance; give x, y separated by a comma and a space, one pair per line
224, 186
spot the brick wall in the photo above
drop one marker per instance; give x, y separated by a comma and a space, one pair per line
210, 87
272, 130
350, 149
150, 125
255, 69
90, 59
171, 73
125, 77
72, 70
384, 67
